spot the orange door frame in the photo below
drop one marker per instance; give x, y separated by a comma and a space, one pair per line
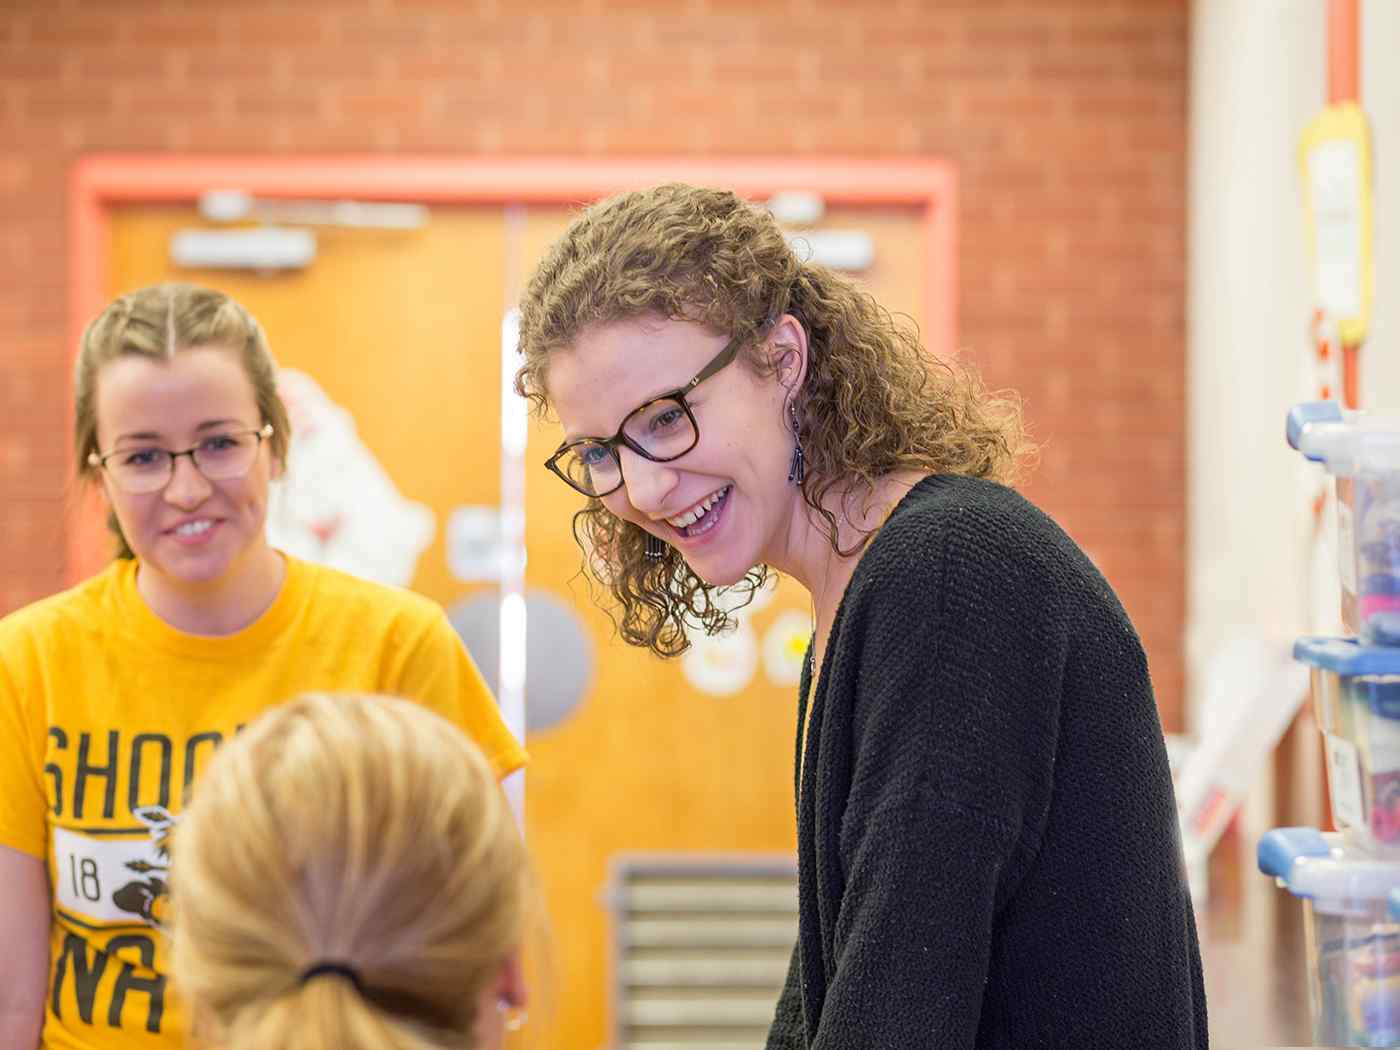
102, 182
1344, 85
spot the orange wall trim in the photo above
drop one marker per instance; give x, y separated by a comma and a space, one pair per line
101, 181
1343, 57
1344, 85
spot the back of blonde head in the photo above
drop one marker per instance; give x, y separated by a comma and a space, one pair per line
366, 831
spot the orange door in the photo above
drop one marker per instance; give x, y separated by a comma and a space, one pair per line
403, 330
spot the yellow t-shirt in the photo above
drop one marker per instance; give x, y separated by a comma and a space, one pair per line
108, 714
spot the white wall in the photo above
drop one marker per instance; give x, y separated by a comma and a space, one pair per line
1380, 95
1258, 74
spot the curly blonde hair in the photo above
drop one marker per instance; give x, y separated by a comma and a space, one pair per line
874, 401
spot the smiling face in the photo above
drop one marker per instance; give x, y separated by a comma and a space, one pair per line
193, 532
726, 505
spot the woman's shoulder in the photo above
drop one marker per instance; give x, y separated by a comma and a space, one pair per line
335, 592
86, 607
945, 512
951, 500
952, 530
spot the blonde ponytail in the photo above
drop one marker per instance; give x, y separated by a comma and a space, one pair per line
364, 832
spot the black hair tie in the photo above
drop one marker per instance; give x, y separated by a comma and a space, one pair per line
333, 969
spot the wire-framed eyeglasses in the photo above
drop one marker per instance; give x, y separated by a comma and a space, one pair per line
140, 469
660, 430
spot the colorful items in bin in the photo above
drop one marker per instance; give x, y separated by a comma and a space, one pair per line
1356, 701
1352, 933
1363, 453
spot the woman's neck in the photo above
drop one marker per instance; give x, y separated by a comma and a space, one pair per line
216, 607
860, 509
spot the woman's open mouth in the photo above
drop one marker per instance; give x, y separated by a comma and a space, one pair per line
703, 517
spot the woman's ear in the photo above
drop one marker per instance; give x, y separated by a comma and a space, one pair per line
498, 1004
99, 489
788, 342
510, 986
268, 446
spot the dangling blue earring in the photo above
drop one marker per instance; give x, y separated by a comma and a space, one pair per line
798, 470
655, 548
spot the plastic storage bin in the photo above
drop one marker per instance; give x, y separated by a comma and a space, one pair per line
1353, 940
1362, 453
1356, 699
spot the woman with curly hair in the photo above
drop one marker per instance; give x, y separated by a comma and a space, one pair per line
987, 837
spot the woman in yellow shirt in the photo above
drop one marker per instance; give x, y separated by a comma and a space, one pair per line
114, 694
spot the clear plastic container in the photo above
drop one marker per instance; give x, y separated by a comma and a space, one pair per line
1362, 453
1356, 700
1352, 936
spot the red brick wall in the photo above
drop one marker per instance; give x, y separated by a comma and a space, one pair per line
1066, 118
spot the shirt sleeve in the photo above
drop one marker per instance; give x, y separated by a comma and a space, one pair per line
439, 673
955, 713
23, 801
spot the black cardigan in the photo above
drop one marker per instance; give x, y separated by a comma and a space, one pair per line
987, 837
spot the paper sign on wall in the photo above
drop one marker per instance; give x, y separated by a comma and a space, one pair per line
335, 505
475, 545
722, 664
1335, 158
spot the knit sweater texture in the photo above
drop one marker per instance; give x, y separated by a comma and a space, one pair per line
988, 849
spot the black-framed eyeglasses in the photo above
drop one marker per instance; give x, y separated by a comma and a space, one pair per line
661, 430
140, 469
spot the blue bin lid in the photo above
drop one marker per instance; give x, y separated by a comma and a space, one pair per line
1347, 656
1318, 867
1347, 443
1309, 413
